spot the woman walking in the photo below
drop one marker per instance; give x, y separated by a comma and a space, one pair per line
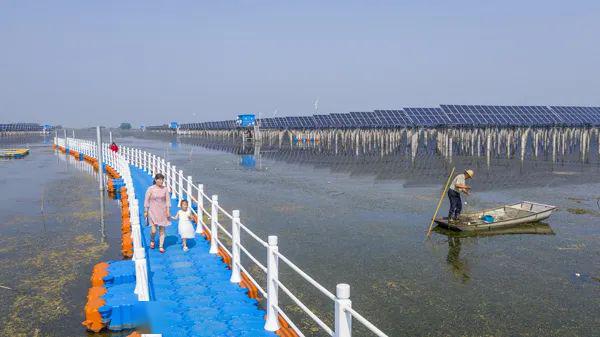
157, 210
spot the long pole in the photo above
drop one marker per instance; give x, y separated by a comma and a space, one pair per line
99, 154
440, 202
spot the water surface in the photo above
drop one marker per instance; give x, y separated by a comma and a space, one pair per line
362, 219
51, 235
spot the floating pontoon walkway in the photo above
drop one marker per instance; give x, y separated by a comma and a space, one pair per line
191, 294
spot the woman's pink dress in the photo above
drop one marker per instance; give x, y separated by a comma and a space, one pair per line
155, 202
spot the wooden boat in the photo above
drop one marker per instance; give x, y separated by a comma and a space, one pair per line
13, 153
504, 216
536, 228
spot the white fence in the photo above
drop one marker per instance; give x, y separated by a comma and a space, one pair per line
184, 188
121, 165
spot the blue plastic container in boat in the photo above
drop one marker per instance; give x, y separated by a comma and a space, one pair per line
487, 218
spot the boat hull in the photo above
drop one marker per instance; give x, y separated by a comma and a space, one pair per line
513, 215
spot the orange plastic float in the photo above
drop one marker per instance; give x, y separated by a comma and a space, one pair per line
284, 328
93, 319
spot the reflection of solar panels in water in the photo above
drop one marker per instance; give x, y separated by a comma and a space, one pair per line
577, 116
427, 116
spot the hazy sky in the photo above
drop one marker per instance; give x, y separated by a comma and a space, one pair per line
80, 63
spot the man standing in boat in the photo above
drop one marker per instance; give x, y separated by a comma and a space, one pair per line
458, 185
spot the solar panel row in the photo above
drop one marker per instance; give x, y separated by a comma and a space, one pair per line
445, 115
20, 127
220, 125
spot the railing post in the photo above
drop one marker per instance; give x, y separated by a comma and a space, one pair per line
168, 175
200, 227
235, 247
151, 164
145, 165
214, 218
272, 323
343, 319
154, 172
99, 157
173, 174
189, 191
180, 190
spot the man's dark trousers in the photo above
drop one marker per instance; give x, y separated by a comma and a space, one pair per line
455, 204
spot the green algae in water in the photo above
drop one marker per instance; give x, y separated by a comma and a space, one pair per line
46, 258
41, 297
582, 211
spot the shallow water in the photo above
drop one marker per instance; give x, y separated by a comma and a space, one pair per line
362, 220
50, 237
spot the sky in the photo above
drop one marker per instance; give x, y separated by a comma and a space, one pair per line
83, 63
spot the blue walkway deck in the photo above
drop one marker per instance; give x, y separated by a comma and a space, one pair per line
190, 291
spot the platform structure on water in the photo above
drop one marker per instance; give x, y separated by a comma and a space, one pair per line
13, 153
206, 291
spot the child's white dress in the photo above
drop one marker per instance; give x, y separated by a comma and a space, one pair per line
185, 227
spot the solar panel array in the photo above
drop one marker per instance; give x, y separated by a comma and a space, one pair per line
220, 125
578, 116
21, 127
430, 117
491, 115
444, 116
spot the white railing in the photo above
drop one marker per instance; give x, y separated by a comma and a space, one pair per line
184, 188
119, 162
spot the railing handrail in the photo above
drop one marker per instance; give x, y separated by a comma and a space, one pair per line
304, 275
366, 322
305, 308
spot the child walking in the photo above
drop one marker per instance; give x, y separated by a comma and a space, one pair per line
185, 227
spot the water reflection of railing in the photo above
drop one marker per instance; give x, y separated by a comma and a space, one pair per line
88, 169
184, 188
